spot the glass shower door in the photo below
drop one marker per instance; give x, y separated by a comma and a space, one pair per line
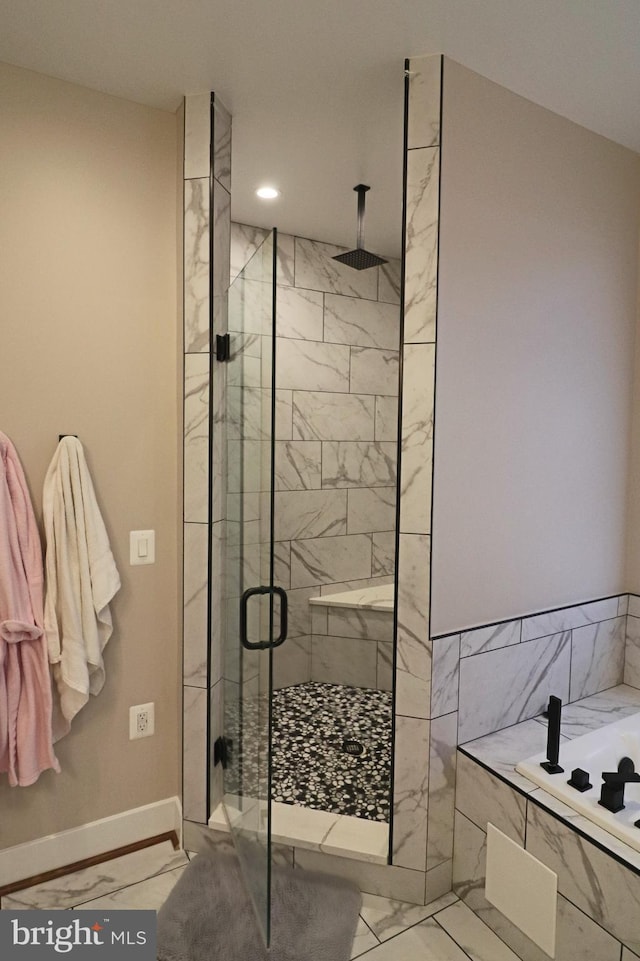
255, 607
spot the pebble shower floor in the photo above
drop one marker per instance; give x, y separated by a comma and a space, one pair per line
310, 767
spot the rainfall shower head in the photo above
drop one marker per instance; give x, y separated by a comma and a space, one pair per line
360, 259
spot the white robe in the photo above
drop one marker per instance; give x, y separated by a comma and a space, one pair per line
81, 580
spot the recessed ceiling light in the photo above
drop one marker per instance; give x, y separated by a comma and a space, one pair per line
267, 193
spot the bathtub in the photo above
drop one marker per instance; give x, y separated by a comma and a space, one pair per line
596, 752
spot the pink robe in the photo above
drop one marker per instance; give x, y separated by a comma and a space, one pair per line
25, 682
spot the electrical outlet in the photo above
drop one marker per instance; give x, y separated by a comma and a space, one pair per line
141, 721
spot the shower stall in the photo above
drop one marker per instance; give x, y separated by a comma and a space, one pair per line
311, 418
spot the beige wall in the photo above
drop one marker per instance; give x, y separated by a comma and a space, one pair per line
88, 311
633, 489
536, 326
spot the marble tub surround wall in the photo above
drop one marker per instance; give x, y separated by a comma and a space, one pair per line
598, 875
207, 199
335, 452
632, 650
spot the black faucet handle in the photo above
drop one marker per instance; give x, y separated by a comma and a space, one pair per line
626, 774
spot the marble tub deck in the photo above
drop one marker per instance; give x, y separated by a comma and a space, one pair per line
388, 930
501, 751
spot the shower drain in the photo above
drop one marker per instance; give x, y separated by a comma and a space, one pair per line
353, 747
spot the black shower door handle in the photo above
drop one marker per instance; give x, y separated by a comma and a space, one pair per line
284, 608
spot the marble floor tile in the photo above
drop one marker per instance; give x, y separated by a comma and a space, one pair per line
473, 935
387, 917
425, 941
98, 880
147, 895
364, 940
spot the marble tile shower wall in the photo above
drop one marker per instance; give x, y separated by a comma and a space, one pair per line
206, 196
335, 453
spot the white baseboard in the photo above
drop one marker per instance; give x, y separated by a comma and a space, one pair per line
87, 840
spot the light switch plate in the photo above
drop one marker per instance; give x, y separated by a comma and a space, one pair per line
524, 889
142, 547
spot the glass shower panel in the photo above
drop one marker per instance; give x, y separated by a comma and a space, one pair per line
249, 571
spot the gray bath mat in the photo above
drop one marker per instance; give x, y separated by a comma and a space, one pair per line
208, 916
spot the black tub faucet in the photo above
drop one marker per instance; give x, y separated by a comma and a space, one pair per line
612, 791
553, 712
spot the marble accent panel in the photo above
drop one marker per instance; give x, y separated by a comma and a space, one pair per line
413, 654
597, 657
483, 639
383, 558
417, 438
328, 560
97, 880
605, 707
196, 437
297, 465
445, 664
552, 622
356, 585
194, 787
578, 938
502, 750
299, 313
374, 371
197, 124
284, 415
285, 260
442, 789
361, 323
195, 605
300, 612
381, 879
424, 102
309, 513
411, 792
627, 855
316, 270
600, 886
421, 245
196, 265
502, 687
387, 917
358, 464
482, 797
221, 241
386, 427
350, 622
371, 509
218, 466
319, 619
221, 144
245, 241
389, 282
384, 666
292, 662
473, 935
634, 605
309, 365
344, 660
632, 652
321, 415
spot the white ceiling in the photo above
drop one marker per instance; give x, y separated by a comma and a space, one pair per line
316, 89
